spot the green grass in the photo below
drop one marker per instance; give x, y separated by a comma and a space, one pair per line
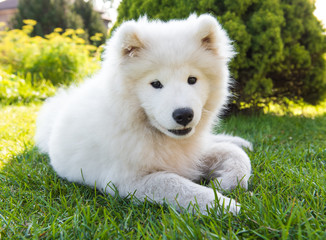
285, 200
17, 126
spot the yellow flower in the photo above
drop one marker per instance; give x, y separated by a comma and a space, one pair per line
68, 32
28, 28
30, 22
80, 31
58, 30
38, 38
80, 41
97, 37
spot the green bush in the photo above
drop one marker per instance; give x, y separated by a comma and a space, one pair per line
15, 90
280, 43
59, 57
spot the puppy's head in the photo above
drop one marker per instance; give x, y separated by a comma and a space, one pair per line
177, 70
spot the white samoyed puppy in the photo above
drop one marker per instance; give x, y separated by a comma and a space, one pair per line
143, 123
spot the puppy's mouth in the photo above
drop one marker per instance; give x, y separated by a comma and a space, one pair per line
180, 132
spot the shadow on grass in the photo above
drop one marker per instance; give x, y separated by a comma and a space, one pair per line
30, 172
36, 202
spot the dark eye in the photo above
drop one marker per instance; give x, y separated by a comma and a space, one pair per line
192, 80
156, 84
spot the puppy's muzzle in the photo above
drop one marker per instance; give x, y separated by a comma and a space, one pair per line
183, 116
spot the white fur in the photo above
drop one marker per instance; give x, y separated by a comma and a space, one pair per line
114, 128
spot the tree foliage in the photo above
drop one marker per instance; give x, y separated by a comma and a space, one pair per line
92, 22
51, 14
280, 44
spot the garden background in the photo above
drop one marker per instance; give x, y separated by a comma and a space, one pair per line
279, 105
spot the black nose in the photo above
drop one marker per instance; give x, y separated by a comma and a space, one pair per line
183, 116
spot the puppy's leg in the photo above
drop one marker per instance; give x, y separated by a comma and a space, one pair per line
228, 164
232, 139
178, 191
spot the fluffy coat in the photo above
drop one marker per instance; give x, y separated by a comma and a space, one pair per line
118, 128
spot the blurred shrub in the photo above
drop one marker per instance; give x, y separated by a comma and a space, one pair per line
15, 90
280, 44
61, 57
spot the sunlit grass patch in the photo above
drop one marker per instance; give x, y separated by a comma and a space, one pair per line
17, 126
296, 109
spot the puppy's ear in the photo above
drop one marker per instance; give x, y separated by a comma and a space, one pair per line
131, 43
213, 37
207, 32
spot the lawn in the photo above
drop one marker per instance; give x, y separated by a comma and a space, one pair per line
286, 197
17, 126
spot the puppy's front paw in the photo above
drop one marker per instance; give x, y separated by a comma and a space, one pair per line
243, 143
228, 181
229, 205
240, 142
225, 205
